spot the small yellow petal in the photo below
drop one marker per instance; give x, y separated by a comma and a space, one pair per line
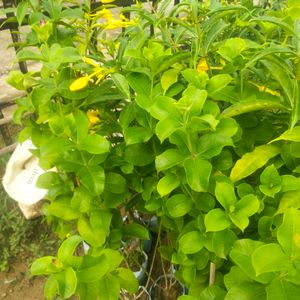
93, 116
107, 1
202, 65
79, 83
90, 61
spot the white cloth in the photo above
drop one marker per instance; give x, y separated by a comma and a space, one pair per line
21, 174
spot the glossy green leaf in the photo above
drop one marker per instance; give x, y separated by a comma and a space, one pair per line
94, 272
216, 220
166, 127
197, 173
115, 183
121, 83
247, 291
199, 80
61, 208
168, 159
168, 78
21, 11
281, 289
288, 233
67, 249
127, 279
232, 48
191, 242
289, 135
289, 199
246, 106
167, 184
252, 161
93, 178
95, 144
138, 155
289, 183
240, 220
109, 287
270, 181
235, 277
247, 205
51, 288
136, 230
241, 253
222, 242
217, 83
211, 144
134, 135
269, 258
164, 107
140, 83
46, 265
178, 205
67, 282
225, 194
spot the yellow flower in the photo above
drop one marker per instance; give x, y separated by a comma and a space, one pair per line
103, 13
202, 65
79, 83
90, 61
106, 1
263, 88
93, 116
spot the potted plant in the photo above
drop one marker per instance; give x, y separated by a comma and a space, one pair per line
188, 113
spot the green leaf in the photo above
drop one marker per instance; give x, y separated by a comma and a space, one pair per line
186, 297
67, 282
289, 135
95, 229
21, 11
121, 83
235, 277
270, 181
135, 135
280, 289
216, 220
252, 161
25, 54
94, 144
178, 205
168, 159
217, 83
109, 287
168, 78
269, 258
289, 183
93, 178
289, 199
211, 144
127, 279
136, 230
225, 194
115, 183
167, 184
191, 242
94, 272
197, 173
288, 233
240, 220
247, 205
46, 265
61, 208
232, 48
140, 83
212, 293
246, 106
222, 242
67, 249
247, 291
51, 288
166, 127
132, 155
241, 255
193, 77
164, 107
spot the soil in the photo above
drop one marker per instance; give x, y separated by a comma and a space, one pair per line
17, 284
170, 292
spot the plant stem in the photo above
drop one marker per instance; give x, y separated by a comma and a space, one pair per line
212, 273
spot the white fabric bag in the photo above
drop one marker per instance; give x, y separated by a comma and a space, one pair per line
21, 174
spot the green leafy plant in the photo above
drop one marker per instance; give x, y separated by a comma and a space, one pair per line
189, 113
